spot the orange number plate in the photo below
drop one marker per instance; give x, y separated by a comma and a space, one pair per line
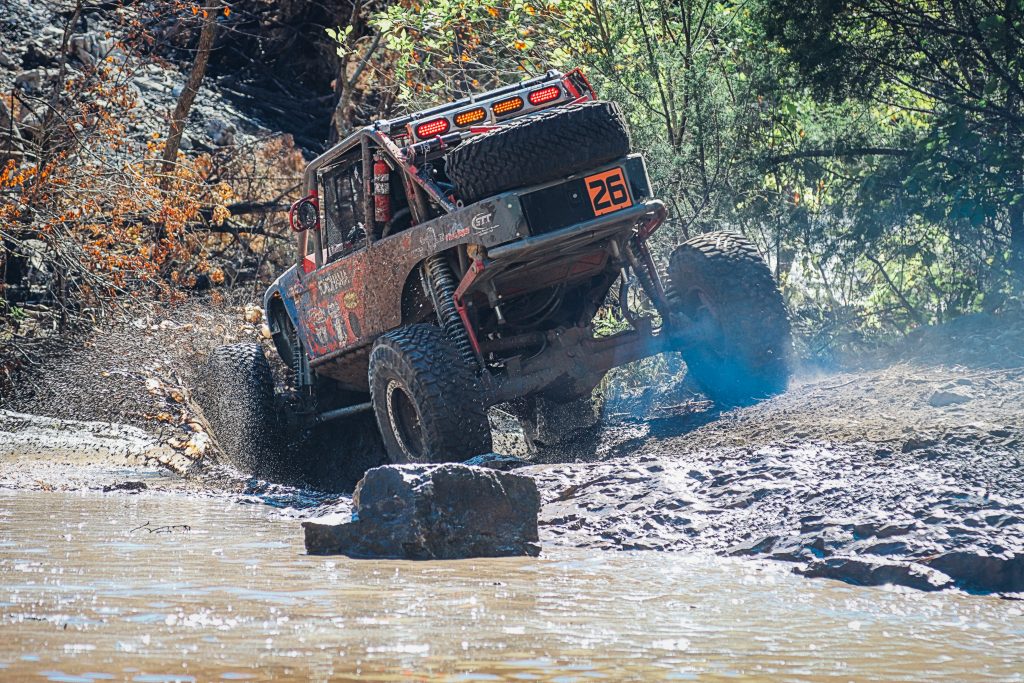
608, 191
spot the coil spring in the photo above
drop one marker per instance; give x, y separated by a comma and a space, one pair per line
441, 279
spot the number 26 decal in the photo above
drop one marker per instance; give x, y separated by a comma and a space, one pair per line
608, 191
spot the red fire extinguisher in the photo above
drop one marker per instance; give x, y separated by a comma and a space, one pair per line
381, 189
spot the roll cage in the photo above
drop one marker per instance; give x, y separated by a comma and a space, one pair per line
407, 150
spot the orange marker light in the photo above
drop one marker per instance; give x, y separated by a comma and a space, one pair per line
552, 92
507, 106
468, 118
431, 129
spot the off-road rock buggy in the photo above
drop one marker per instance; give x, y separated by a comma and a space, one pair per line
454, 259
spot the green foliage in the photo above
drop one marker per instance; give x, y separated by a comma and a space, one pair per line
873, 151
449, 48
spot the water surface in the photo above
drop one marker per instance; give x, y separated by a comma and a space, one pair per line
90, 591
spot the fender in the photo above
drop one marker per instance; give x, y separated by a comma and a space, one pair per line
283, 288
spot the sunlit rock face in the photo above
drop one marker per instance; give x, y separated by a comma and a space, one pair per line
426, 512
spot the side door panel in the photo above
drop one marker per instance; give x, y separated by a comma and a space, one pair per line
332, 305
331, 301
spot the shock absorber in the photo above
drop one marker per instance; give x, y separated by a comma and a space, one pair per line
300, 368
646, 274
441, 279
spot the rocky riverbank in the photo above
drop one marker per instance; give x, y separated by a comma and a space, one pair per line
908, 472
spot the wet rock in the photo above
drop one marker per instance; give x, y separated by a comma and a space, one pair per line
149, 83
37, 56
980, 571
434, 512
880, 530
941, 399
129, 486
758, 546
89, 48
497, 461
915, 443
877, 572
885, 548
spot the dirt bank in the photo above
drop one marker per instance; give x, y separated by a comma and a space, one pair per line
874, 477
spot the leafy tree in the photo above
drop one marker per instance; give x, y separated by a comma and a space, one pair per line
951, 71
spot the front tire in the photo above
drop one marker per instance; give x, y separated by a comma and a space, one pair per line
719, 281
428, 402
238, 401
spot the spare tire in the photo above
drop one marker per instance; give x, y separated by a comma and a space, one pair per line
535, 149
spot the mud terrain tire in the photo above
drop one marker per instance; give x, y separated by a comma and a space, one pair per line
238, 401
568, 423
535, 149
427, 400
719, 279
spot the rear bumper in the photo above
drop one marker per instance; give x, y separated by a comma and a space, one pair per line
647, 213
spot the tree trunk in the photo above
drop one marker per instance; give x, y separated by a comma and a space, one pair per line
188, 95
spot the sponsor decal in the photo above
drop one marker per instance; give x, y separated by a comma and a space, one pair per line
457, 235
333, 282
351, 300
483, 223
316, 324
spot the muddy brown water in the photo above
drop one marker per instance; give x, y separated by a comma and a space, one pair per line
85, 595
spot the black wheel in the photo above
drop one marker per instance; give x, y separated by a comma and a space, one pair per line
237, 398
563, 422
534, 149
335, 456
721, 283
428, 401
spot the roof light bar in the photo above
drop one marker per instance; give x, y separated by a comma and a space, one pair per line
431, 129
545, 95
508, 106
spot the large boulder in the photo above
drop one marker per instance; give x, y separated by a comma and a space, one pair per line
425, 512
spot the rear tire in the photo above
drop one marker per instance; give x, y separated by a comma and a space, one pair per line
336, 455
568, 425
427, 400
535, 149
720, 281
238, 401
